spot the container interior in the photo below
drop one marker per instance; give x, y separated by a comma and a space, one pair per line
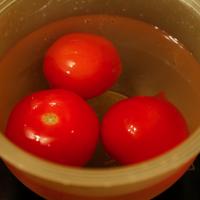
23, 73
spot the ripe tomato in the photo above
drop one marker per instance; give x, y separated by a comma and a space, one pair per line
57, 125
84, 63
142, 127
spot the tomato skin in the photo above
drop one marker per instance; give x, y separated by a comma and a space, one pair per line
85, 63
142, 127
56, 125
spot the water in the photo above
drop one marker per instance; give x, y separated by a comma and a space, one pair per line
153, 61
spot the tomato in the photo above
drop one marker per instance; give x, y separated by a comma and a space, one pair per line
56, 125
139, 128
84, 63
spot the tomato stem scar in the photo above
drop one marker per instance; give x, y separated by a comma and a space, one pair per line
50, 119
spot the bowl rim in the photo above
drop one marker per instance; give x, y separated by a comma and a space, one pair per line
97, 177
83, 177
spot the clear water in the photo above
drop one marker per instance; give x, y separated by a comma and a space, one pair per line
153, 61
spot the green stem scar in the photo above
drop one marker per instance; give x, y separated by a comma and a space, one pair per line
50, 119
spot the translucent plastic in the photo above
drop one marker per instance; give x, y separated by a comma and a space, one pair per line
180, 18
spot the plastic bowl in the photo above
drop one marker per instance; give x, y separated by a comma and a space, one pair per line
181, 18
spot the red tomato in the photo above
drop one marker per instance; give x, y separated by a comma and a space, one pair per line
84, 63
57, 125
142, 127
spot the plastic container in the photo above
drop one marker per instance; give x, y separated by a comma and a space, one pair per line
181, 18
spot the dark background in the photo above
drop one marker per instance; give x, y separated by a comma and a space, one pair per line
187, 188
